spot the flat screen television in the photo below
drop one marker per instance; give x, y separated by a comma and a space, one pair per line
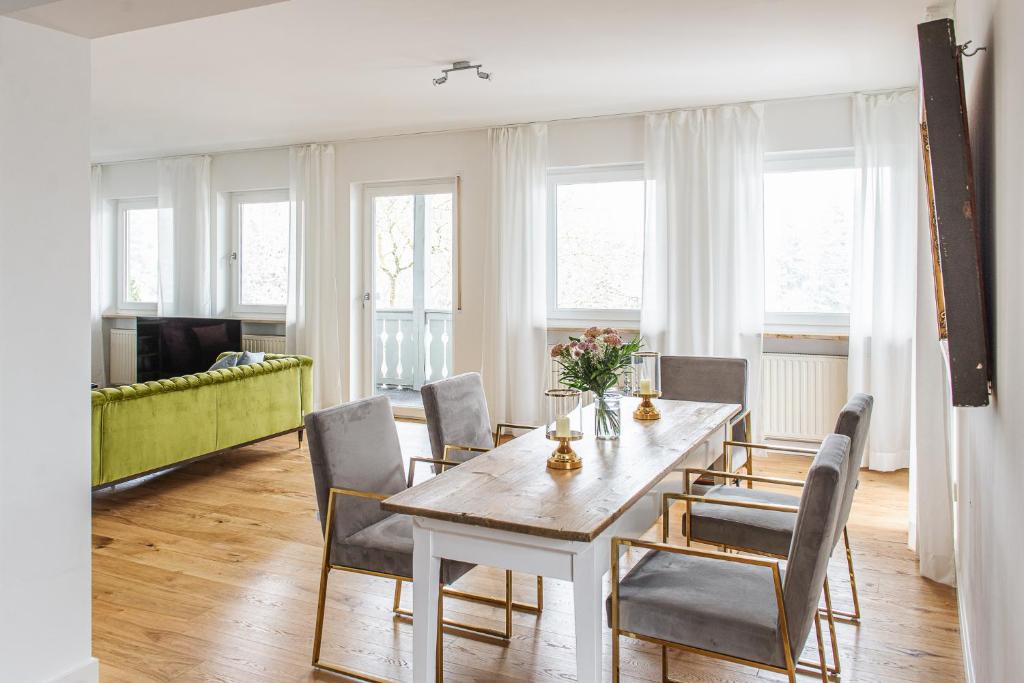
170, 347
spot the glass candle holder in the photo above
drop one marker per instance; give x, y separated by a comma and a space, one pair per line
646, 383
564, 425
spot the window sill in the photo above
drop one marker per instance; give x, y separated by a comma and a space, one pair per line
810, 334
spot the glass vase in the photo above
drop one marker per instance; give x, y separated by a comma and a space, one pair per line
607, 417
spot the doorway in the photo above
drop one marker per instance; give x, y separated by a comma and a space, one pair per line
411, 229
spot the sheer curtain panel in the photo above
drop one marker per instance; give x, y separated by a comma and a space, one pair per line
313, 325
515, 324
883, 285
703, 291
183, 233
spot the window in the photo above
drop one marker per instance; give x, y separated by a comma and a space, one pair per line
808, 240
260, 243
595, 244
138, 282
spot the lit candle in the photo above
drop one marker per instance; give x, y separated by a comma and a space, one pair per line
562, 430
645, 387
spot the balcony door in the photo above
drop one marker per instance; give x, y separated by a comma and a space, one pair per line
411, 239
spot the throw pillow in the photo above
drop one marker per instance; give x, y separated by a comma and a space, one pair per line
251, 357
228, 361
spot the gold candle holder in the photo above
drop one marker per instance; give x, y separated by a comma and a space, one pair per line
647, 410
565, 425
647, 378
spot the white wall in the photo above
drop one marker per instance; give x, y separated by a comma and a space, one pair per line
990, 443
45, 513
791, 125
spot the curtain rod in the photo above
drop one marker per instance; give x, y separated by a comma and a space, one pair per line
473, 129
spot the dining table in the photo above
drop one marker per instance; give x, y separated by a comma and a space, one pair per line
506, 509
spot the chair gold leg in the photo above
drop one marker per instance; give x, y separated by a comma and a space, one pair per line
321, 604
438, 660
832, 629
508, 602
853, 575
398, 595
821, 648
540, 594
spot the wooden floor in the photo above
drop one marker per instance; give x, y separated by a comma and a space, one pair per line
210, 572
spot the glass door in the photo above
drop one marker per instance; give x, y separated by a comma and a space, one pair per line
411, 234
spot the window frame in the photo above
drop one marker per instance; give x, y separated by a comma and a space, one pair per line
123, 207
238, 309
808, 160
572, 318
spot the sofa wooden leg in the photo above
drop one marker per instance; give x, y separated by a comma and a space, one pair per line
300, 433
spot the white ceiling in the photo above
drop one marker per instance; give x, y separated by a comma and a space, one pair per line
309, 70
95, 18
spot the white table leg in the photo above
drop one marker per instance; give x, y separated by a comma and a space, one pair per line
588, 606
426, 574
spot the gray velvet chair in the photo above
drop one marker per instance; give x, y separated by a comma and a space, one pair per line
714, 380
734, 607
763, 522
459, 426
357, 462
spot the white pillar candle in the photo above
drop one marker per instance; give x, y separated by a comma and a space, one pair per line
645, 387
562, 430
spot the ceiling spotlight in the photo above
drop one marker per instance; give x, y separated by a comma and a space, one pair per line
462, 66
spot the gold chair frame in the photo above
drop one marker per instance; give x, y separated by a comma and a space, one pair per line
445, 461
851, 617
689, 499
327, 567
791, 667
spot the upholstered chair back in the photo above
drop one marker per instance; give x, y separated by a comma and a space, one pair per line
355, 446
812, 536
456, 412
706, 378
854, 421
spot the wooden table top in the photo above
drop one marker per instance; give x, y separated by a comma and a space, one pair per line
511, 488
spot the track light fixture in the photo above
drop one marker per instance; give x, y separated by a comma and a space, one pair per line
462, 66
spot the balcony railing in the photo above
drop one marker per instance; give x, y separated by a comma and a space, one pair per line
408, 353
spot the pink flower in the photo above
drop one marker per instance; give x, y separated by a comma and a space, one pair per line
612, 339
592, 332
556, 350
609, 330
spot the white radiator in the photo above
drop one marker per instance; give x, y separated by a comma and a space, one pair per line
263, 342
801, 395
122, 357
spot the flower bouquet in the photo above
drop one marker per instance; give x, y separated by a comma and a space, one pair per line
593, 363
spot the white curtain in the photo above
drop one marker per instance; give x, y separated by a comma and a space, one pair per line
931, 466
515, 325
183, 200
883, 286
313, 314
97, 274
703, 291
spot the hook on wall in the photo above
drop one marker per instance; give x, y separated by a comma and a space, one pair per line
962, 49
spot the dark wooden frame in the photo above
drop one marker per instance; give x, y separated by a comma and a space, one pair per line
956, 240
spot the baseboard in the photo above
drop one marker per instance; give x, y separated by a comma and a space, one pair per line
88, 672
965, 640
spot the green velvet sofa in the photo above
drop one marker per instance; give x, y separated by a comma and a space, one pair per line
146, 427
